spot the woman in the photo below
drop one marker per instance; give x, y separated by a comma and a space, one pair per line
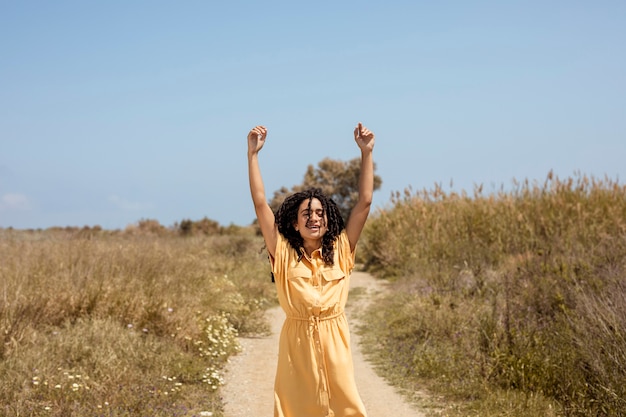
312, 255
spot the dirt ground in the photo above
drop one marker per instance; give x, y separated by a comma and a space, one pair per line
249, 379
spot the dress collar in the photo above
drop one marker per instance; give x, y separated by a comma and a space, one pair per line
317, 253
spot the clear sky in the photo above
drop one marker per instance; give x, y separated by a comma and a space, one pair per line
117, 111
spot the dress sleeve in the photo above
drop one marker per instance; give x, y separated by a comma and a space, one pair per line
346, 257
278, 262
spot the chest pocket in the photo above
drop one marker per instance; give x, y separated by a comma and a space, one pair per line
299, 272
333, 274
330, 275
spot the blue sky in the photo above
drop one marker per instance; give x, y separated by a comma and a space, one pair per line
112, 112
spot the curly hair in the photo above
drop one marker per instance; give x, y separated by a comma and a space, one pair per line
287, 215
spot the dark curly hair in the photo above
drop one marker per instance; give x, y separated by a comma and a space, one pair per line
287, 215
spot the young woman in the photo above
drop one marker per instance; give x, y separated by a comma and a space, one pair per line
312, 255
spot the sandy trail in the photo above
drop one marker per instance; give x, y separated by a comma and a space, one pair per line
249, 379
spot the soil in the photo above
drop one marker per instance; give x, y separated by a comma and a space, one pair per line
249, 379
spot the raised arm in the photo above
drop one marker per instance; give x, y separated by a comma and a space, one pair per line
264, 214
365, 139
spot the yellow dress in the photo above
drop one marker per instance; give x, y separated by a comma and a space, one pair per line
315, 373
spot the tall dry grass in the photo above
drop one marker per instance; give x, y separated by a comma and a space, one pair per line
516, 294
94, 323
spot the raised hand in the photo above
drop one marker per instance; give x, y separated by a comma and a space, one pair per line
256, 138
364, 137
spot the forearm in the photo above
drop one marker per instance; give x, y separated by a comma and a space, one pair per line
264, 213
361, 209
366, 177
257, 189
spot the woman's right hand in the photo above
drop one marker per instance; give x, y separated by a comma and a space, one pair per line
256, 139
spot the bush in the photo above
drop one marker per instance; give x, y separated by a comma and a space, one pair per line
507, 289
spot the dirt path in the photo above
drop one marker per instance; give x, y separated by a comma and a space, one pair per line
249, 379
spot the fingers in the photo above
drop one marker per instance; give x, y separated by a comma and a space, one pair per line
358, 130
362, 132
259, 131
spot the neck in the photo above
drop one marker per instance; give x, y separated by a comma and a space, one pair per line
311, 246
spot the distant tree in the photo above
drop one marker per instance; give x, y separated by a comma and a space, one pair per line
337, 179
207, 227
146, 227
204, 226
186, 227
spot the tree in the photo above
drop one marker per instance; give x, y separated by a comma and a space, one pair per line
337, 179
205, 227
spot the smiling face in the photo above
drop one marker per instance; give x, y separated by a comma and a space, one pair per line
312, 222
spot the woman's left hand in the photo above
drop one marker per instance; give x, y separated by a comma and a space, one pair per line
364, 137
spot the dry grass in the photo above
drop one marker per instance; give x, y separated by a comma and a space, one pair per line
511, 303
507, 304
124, 324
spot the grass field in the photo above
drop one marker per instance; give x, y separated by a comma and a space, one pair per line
95, 323
511, 303
505, 304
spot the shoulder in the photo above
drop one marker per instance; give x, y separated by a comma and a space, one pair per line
343, 255
343, 240
282, 245
283, 251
